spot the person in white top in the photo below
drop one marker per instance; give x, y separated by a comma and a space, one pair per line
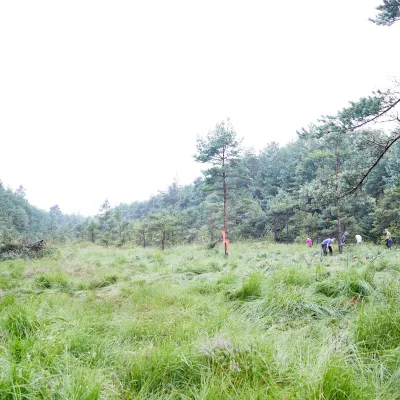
389, 240
358, 238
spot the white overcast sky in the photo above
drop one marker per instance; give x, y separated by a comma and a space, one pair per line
104, 99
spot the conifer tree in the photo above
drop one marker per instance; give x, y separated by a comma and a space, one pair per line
389, 13
221, 149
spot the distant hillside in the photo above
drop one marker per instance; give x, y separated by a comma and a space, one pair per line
20, 221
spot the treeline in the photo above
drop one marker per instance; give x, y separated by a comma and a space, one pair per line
283, 194
20, 222
336, 177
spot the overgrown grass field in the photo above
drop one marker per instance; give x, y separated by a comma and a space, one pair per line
269, 322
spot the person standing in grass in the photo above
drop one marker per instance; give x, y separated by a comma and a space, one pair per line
344, 238
309, 242
389, 240
358, 239
326, 244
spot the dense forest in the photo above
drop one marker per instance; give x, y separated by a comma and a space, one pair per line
281, 193
22, 222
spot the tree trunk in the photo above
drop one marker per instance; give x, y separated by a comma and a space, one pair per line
144, 239
338, 201
225, 212
339, 227
287, 232
163, 241
212, 226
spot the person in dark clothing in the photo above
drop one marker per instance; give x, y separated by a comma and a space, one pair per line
344, 237
326, 245
389, 240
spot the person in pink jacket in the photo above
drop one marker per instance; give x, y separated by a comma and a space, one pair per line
309, 242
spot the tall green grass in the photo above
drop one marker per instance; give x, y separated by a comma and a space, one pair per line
269, 322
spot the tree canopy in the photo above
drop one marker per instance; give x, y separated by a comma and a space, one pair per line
389, 13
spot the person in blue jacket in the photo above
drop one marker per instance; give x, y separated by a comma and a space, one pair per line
326, 244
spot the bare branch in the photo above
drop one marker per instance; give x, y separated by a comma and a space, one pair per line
359, 184
384, 111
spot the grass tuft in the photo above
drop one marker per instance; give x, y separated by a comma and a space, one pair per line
250, 289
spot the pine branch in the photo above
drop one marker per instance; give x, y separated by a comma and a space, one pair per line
389, 144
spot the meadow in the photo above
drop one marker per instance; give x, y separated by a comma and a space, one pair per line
268, 322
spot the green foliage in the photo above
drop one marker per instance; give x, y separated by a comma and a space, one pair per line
389, 13
387, 213
162, 227
221, 149
377, 327
281, 194
251, 288
339, 382
353, 282
20, 323
219, 145
103, 282
56, 280
188, 324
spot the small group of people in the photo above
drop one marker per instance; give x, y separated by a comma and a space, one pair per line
327, 243
357, 236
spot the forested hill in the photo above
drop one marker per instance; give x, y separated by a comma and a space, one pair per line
20, 221
281, 193
340, 175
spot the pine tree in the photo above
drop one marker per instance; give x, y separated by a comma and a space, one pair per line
389, 13
221, 149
